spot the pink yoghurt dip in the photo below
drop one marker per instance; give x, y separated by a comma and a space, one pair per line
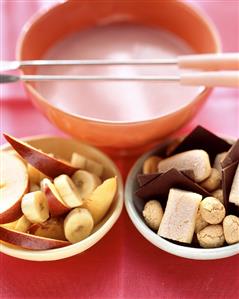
117, 101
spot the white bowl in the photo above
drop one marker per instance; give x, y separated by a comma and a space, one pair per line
152, 237
64, 148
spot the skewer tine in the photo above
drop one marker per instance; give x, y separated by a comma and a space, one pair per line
209, 79
209, 62
14, 65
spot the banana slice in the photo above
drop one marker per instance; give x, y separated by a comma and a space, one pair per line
78, 161
56, 204
34, 207
78, 225
94, 167
23, 224
68, 191
82, 162
86, 182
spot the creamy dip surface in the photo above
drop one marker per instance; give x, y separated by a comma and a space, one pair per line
117, 101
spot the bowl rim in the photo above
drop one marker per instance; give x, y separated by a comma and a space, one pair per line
32, 90
158, 241
80, 247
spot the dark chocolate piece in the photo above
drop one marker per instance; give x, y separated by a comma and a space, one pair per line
160, 186
201, 138
146, 178
228, 174
232, 155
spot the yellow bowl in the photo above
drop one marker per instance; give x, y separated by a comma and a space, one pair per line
64, 148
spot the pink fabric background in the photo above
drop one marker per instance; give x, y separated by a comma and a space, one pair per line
123, 264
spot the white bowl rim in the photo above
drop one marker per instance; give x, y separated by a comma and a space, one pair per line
152, 237
68, 251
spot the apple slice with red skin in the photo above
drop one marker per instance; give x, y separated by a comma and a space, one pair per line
14, 184
55, 204
52, 228
45, 163
28, 241
11, 214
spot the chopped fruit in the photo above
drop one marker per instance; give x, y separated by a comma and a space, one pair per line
34, 207
100, 200
10, 225
52, 228
34, 187
29, 241
55, 203
86, 182
22, 224
42, 197
78, 225
48, 165
13, 152
13, 185
68, 191
78, 161
82, 162
94, 167
35, 176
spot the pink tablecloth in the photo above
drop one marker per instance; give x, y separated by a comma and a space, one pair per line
123, 264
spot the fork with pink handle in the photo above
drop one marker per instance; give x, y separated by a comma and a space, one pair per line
220, 69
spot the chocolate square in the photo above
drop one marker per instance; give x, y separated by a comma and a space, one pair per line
143, 179
232, 155
146, 178
158, 188
228, 174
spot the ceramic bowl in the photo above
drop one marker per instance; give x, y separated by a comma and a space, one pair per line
152, 237
64, 148
45, 29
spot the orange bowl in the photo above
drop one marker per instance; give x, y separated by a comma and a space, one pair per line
44, 30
